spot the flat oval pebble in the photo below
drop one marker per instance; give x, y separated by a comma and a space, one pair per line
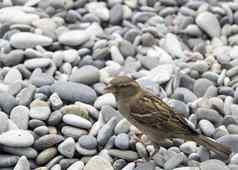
39, 110
88, 142
29, 152
17, 138
229, 140
46, 155
7, 102
29, 40
77, 121
69, 131
84, 151
106, 99
207, 127
47, 141
37, 62
12, 76
213, 164
20, 116
126, 154
122, 141
98, 162
74, 37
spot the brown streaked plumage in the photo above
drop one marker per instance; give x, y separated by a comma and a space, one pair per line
155, 118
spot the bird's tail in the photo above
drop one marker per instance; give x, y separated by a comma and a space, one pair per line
218, 148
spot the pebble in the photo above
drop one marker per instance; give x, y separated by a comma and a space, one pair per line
106, 131
187, 95
3, 122
105, 99
22, 164
209, 23
55, 118
7, 102
55, 101
20, 116
123, 126
200, 86
123, 154
47, 141
213, 164
8, 160
39, 110
78, 165
72, 92
116, 14
12, 76
46, 155
146, 165
69, 131
98, 162
88, 142
37, 62
25, 96
84, 151
229, 140
86, 74
74, 37
75, 110
41, 130
67, 147
29, 152
77, 121
188, 147
29, 40
207, 127
122, 141
174, 161
99, 9
209, 114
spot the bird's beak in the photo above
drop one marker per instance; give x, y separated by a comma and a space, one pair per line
109, 89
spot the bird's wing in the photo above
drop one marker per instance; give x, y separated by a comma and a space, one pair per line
153, 111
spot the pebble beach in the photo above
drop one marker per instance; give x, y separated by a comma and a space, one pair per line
57, 56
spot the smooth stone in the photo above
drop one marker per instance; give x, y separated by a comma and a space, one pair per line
55, 118
47, 141
29, 40
39, 110
34, 123
65, 163
173, 46
56, 167
99, 9
3, 122
73, 132
174, 161
22, 164
141, 150
229, 140
71, 56
188, 147
39, 79
84, 151
188, 95
78, 165
200, 86
213, 164
45, 156
55, 101
209, 114
8, 160
75, 110
123, 126
106, 131
146, 165
116, 55
209, 23
122, 141
116, 14
179, 106
13, 15
37, 62
86, 74
67, 147
20, 116
98, 162
77, 121
88, 108
14, 89
234, 159
12, 76
126, 48
160, 74
119, 164
123, 154
7, 102
88, 142
129, 166
29, 152
207, 127
105, 99
25, 96
108, 112
41, 130
74, 37
17, 138
72, 92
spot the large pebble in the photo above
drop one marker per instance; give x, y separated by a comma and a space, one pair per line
29, 40
46, 155
98, 162
29, 152
106, 99
174, 161
67, 147
22, 164
25, 96
123, 126
200, 86
207, 127
209, 114
72, 92
173, 46
3, 122
77, 121
126, 154
122, 141
20, 116
209, 23
99, 9
188, 147
12, 76
88, 142
7, 102
84, 151
8, 160
106, 131
17, 138
74, 37
188, 95
47, 141
69, 131
213, 164
230, 140
39, 110
37, 62
86, 74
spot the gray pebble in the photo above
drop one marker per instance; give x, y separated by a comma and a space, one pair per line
74, 37
29, 152
39, 110
46, 155
39, 79
77, 121
37, 62
123, 126
119, 164
72, 92
22, 164
98, 162
14, 57
229, 140
20, 116
188, 96
207, 127
78, 165
108, 112
146, 165
126, 155
55, 101
55, 118
3, 122
107, 99
122, 141
84, 151
8, 160
209, 114
200, 86
213, 164
33, 123
116, 14
47, 141
25, 96
7, 102
67, 147
12, 76
126, 48
41, 130
88, 142
179, 106
69, 131
188, 147
86, 74
174, 161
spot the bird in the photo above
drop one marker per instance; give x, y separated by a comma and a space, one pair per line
155, 118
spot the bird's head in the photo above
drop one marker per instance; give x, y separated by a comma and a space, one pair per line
123, 88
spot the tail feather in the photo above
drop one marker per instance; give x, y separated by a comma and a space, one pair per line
218, 148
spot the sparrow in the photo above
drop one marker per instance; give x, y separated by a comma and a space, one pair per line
155, 118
